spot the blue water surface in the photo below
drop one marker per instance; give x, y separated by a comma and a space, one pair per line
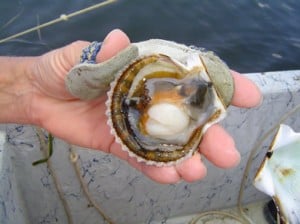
250, 35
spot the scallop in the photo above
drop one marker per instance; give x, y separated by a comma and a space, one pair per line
279, 174
161, 104
163, 97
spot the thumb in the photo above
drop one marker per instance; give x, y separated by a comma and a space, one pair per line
91, 85
114, 42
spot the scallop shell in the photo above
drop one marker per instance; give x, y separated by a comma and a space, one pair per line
279, 174
161, 103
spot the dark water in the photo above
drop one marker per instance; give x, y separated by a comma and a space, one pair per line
250, 35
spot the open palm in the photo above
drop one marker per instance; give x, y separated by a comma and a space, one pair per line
83, 123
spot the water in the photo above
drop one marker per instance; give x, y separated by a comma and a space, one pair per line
250, 35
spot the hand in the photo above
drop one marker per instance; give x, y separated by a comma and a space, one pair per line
84, 122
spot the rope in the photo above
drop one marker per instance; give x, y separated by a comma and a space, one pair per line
57, 185
63, 17
74, 158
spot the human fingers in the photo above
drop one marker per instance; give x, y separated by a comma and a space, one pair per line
189, 170
192, 169
114, 42
246, 93
218, 147
164, 175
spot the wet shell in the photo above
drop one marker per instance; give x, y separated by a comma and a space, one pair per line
160, 105
279, 174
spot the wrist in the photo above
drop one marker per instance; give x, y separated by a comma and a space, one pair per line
16, 90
